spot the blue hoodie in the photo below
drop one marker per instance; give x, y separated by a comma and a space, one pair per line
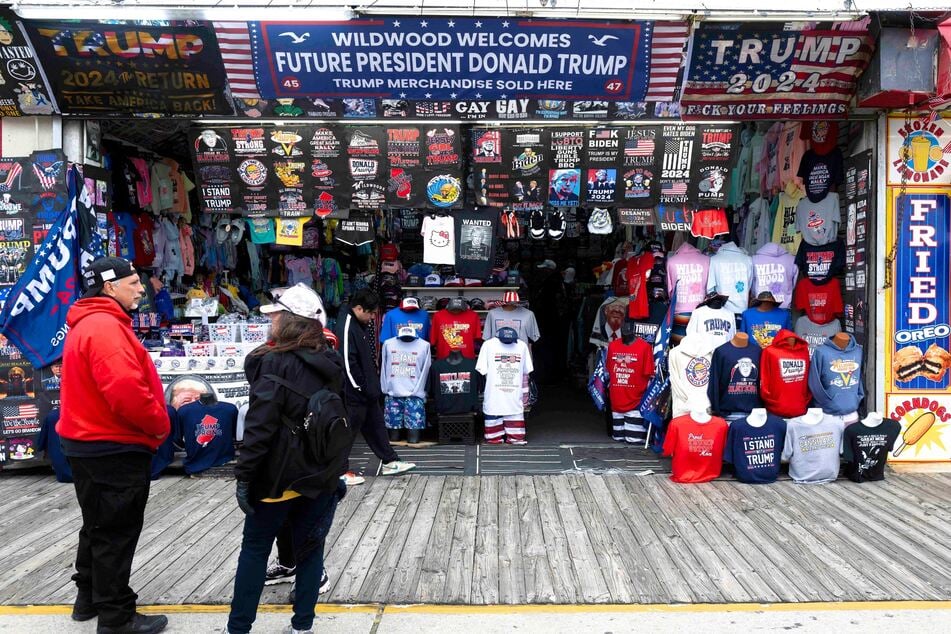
835, 377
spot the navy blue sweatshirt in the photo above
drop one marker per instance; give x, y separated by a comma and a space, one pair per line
165, 454
48, 441
755, 452
734, 379
208, 431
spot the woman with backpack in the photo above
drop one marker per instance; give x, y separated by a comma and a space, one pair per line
296, 440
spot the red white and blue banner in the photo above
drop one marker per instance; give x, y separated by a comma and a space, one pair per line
763, 71
423, 58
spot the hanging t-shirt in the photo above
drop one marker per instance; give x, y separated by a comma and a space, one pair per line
438, 240
822, 303
455, 331
812, 450
144, 240
208, 432
816, 334
819, 263
790, 151
717, 325
163, 195
397, 318
504, 365
865, 449
762, 326
637, 272
819, 173
630, 366
262, 230
818, 222
476, 237
290, 231
785, 233
734, 379
521, 319
125, 235
697, 448
454, 386
300, 270
143, 182
755, 452
356, 230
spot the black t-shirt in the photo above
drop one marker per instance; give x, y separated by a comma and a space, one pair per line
865, 449
357, 229
454, 386
821, 263
475, 240
820, 173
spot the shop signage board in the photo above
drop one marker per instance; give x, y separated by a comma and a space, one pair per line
23, 89
919, 151
405, 57
858, 200
765, 71
111, 69
918, 314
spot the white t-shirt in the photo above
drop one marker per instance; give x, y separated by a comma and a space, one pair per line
439, 240
504, 367
522, 320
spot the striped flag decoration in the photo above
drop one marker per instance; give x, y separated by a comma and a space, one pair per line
666, 58
640, 147
675, 188
19, 411
235, 44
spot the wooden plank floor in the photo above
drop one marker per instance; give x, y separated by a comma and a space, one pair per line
571, 538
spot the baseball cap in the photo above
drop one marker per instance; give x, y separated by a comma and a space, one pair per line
103, 270
389, 252
511, 297
409, 303
300, 300
433, 279
764, 296
548, 264
714, 299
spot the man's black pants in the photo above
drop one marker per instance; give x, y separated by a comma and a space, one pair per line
368, 419
112, 492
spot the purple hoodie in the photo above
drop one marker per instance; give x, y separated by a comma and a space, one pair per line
690, 268
774, 270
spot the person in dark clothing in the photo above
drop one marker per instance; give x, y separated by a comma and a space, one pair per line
548, 302
276, 482
362, 390
112, 420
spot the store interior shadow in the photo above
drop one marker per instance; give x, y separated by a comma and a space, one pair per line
565, 414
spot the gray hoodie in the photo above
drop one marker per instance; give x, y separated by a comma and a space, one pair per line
812, 450
835, 377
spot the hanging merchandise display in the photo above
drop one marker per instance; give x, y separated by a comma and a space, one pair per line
23, 88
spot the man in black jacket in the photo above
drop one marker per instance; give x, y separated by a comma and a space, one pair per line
362, 391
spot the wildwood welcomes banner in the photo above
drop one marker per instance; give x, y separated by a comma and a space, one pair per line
763, 71
467, 58
109, 69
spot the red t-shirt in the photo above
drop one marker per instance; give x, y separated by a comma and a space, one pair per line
630, 367
144, 245
619, 278
822, 302
697, 448
638, 270
455, 331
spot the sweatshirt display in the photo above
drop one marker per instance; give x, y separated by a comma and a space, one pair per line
718, 325
865, 447
763, 325
453, 384
816, 334
689, 364
734, 379
404, 367
731, 271
397, 318
774, 270
208, 432
690, 269
818, 222
696, 448
630, 366
784, 375
452, 330
504, 366
754, 446
812, 447
835, 376
822, 303
521, 319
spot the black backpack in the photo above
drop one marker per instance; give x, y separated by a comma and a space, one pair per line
324, 435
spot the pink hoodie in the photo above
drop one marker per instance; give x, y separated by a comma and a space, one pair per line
690, 268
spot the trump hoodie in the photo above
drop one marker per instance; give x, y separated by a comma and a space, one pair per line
689, 365
835, 377
110, 392
784, 375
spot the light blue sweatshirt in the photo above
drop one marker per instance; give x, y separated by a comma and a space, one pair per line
835, 378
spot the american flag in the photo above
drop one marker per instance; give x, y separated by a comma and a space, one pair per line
639, 147
674, 188
792, 67
603, 133
235, 44
677, 154
22, 410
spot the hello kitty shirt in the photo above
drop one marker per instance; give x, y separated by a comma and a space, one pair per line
439, 244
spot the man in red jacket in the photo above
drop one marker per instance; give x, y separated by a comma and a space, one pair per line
113, 419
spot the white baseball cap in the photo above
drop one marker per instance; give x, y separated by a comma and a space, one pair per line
301, 300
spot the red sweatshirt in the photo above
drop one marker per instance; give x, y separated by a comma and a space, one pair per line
110, 390
784, 375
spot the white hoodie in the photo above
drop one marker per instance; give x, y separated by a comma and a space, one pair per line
689, 365
731, 272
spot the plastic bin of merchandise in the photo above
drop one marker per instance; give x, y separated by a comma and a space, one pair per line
254, 332
223, 333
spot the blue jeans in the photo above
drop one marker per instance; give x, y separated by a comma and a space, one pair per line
310, 521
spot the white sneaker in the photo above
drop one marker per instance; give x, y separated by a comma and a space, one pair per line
351, 479
397, 467
290, 630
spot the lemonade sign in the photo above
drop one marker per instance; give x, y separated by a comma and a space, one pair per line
919, 151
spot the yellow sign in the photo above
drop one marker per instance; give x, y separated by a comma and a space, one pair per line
919, 151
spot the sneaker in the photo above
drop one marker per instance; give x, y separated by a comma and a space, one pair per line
556, 224
324, 582
276, 573
290, 630
84, 612
397, 467
537, 224
138, 624
351, 479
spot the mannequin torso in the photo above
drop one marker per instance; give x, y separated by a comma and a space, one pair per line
757, 417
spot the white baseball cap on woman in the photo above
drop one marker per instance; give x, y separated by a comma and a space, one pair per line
300, 300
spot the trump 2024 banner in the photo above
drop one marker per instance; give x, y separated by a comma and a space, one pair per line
454, 58
763, 71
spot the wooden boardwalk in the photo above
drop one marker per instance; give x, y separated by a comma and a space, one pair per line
571, 538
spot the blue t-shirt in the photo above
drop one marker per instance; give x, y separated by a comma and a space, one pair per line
126, 237
734, 379
396, 318
755, 452
165, 454
48, 441
208, 432
762, 326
